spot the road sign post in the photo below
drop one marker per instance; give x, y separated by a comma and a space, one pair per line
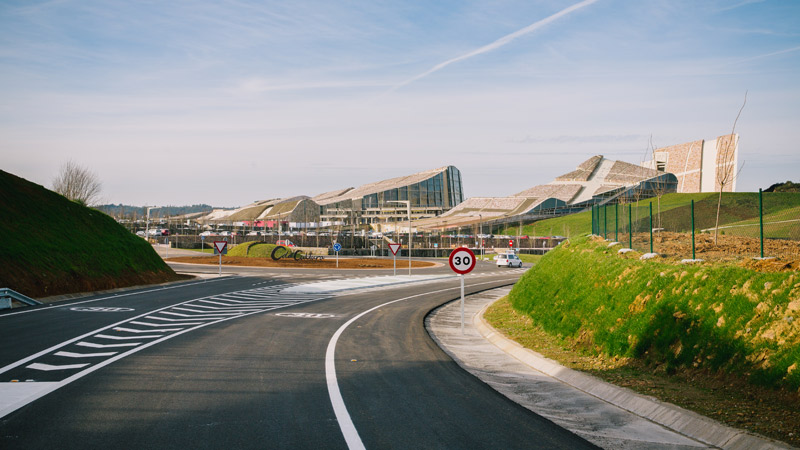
336, 247
220, 248
394, 248
462, 261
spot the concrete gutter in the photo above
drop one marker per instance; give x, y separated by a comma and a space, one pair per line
605, 414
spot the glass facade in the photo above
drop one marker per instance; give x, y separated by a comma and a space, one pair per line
429, 197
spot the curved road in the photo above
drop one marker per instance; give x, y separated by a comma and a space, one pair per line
234, 362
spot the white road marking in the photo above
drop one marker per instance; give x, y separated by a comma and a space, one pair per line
50, 367
93, 345
27, 311
148, 324
349, 431
122, 338
13, 397
84, 355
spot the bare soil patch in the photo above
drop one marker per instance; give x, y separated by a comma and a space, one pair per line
327, 263
738, 249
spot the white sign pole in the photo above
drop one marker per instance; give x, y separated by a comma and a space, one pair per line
220, 263
462, 303
394, 259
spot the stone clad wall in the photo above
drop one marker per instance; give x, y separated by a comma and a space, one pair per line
685, 162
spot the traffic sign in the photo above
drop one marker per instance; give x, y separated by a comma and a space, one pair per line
510, 243
337, 246
221, 247
462, 260
394, 248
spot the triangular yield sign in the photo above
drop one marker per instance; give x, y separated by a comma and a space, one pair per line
220, 246
394, 248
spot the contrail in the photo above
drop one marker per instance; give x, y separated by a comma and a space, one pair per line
498, 43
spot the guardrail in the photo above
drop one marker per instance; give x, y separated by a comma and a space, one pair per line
8, 295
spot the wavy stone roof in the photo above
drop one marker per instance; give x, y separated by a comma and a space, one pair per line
584, 170
379, 186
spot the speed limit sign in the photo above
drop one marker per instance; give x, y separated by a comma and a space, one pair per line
462, 260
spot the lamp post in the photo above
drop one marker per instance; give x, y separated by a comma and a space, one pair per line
147, 224
408, 206
480, 232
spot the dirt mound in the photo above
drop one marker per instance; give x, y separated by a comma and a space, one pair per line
327, 263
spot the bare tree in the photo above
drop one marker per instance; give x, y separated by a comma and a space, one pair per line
726, 166
77, 183
659, 185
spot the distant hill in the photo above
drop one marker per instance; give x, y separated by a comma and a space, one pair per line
784, 187
53, 246
121, 210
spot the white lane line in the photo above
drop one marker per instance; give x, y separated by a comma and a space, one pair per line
93, 345
339, 408
148, 324
209, 313
123, 338
207, 316
179, 321
84, 355
50, 367
134, 330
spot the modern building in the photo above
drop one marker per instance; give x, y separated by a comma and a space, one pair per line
595, 181
427, 194
700, 166
424, 194
434, 199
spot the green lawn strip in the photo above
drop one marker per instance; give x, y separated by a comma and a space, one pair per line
720, 318
253, 249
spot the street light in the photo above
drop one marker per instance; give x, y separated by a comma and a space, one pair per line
147, 224
408, 205
480, 232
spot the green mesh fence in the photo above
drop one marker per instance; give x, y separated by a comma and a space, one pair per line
750, 224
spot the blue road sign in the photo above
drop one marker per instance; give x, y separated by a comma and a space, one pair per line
337, 246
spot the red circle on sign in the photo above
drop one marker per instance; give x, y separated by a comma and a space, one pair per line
462, 260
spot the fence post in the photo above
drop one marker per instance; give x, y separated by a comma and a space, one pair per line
630, 226
594, 225
761, 220
616, 222
693, 256
651, 227
605, 221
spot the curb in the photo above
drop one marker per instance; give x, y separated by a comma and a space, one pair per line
682, 421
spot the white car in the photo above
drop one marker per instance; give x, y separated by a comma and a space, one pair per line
509, 260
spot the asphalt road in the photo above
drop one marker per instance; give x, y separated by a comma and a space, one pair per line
236, 363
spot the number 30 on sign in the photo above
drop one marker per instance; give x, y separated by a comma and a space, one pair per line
462, 260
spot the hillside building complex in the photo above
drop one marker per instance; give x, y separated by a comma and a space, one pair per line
434, 199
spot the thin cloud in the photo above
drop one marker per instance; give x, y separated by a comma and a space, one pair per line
767, 55
498, 43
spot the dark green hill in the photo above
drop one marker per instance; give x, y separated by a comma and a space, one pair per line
55, 246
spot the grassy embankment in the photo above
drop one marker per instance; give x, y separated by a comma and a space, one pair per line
720, 340
54, 246
722, 318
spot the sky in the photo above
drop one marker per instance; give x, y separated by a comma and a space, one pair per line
228, 102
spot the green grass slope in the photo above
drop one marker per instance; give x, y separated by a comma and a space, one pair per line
716, 317
55, 246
